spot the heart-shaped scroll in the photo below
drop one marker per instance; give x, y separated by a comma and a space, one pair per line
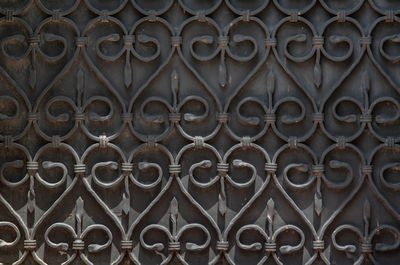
312, 58
214, 55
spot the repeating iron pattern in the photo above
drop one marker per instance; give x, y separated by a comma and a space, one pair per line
199, 132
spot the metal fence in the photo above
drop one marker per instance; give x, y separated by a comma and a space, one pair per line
199, 132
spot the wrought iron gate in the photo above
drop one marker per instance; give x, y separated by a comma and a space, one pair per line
199, 132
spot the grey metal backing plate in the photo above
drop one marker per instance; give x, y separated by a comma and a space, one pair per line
199, 132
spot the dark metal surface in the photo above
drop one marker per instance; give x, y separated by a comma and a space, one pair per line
199, 132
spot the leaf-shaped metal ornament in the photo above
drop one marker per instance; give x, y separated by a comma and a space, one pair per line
80, 84
32, 76
175, 87
366, 211
79, 206
318, 198
365, 82
317, 73
174, 215
221, 205
317, 204
365, 86
174, 208
32, 70
128, 70
270, 82
366, 216
80, 80
126, 197
222, 71
222, 197
175, 81
270, 87
31, 202
270, 210
79, 215
270, 215
31, 195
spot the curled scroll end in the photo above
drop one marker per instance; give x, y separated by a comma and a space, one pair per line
4, 117
300, 37
157, 247
206, 164
237, 163
336, 39
336, 164
62, 117
287, 249
302, 168
254, 121
113, 165
255, 246
385, 247
193, 246
350, 249
380, 119
18, 38
144, 38
350, 118
93, 248
286, 119
189, 117
62, 247
52, 37
239, 38
17, 163
113, 37
396, 38
143, 165
47, 164
207, 39
157, 119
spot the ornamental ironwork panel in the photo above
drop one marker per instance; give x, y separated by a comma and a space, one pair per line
199, 132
